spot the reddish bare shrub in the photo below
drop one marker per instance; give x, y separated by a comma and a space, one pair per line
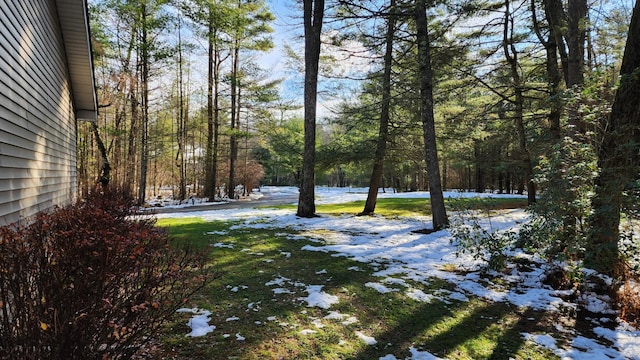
628, 297
89, 281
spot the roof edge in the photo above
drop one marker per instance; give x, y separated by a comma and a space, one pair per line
73, 17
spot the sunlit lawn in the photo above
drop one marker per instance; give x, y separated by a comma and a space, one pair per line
253, 322
412, 206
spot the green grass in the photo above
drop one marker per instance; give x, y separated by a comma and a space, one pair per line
393, 207
252, 257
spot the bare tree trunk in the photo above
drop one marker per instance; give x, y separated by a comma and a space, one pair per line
576, 36
132, 80
144, 152
132, 148
105, 167
120, 153
438, 211
247, 186
83, 161
235, 118
213, 111
209, 166
618, 159
313, 14
185, 136
383, 134
511, 55
553, 72
557, 19
479, 167
116, 148
182, 126
444, 173
216, 121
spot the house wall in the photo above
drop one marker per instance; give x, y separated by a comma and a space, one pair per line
37, 121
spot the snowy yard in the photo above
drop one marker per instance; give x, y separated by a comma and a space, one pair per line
402, 257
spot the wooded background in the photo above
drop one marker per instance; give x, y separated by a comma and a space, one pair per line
181, 89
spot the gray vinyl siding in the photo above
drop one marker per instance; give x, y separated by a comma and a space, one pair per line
37, 121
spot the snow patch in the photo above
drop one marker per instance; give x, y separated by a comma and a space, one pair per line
422, 355
380, 287
419, 295
367, 339
199, 323
223, 245
318, 298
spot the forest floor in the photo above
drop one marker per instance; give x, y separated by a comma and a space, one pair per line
341, 286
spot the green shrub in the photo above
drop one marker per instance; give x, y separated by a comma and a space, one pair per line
558, 227
90, 281
480, 241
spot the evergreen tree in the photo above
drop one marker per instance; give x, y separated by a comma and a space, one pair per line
617, 159
381, 146
438, 211
313, 15
250, 23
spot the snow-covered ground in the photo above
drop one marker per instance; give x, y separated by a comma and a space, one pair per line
398, 255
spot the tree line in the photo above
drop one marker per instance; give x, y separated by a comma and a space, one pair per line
160, 125
527, 96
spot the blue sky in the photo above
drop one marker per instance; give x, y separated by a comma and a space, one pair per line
288, 31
